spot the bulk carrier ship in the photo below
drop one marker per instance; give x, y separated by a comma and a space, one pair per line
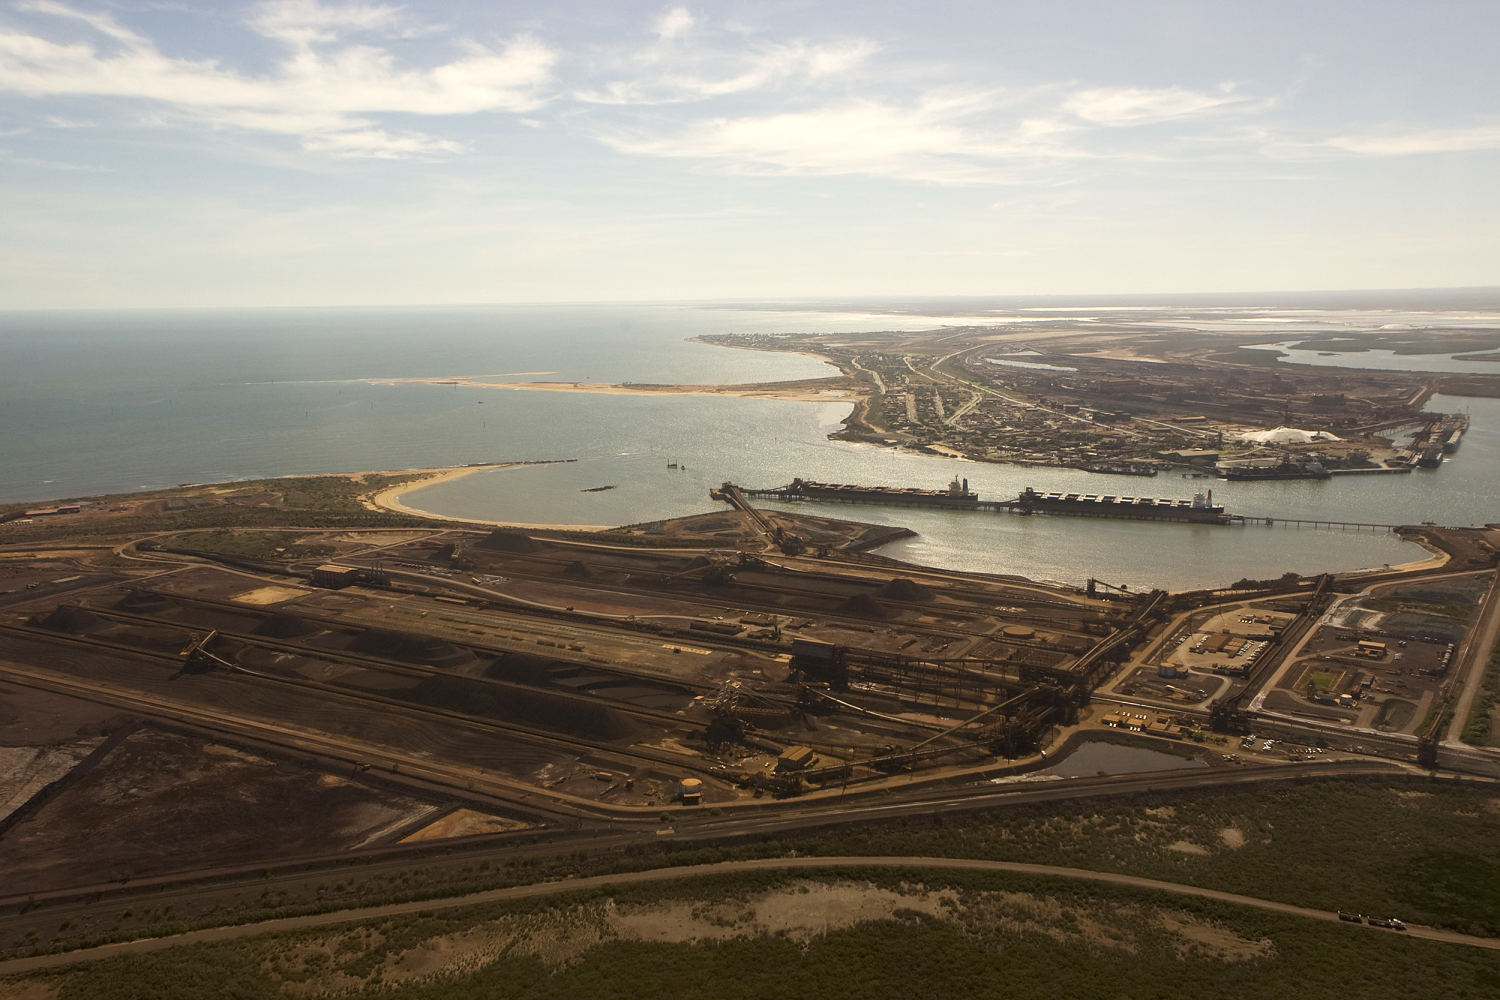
1199, 510
956, 495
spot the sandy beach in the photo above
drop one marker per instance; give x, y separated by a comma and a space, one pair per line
797, 392
744, 347
1437, 559
391, 499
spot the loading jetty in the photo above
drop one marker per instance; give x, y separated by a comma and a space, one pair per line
956, 497
1199, 510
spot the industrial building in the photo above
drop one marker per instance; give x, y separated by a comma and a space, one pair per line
334, 576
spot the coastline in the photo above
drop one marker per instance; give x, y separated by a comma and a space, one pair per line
793, 391
769, 350
390, 499
1436, 559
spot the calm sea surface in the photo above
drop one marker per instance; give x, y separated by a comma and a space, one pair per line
93, 403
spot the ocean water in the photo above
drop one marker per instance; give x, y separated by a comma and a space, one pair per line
94, 403
1380, 360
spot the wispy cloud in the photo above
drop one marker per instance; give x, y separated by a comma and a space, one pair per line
378, 144
818, 107
306, 22
1140, 106
674, 23
329, 93
686, 61
99, 21
701, 76
344, 83
40, 163
860, 137
944, 136
1394, 142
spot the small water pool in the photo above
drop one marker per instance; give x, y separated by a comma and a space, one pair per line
1097, 758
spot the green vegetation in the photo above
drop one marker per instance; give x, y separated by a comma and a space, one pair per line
1439, 714
1449, 600
1427, 342
1478, 725
1320, 680
1325, 845
1423, 850
961, 935
311, 502
338, 494
262, 545
1244, 356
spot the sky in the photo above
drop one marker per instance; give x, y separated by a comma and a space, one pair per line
160, 153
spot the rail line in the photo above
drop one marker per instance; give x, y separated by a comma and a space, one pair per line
739, 823
478, 644
465, 782
403, 667
523, 734
797, 581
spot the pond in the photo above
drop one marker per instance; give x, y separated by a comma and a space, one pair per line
1096, 758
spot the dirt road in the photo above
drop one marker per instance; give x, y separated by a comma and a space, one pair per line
699, 872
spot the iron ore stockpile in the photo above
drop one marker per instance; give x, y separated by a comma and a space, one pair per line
1199, 510
607, 672
258, 713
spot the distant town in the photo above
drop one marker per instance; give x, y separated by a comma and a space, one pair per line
1137, 403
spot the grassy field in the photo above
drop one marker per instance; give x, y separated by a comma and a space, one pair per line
1429, 853
847, 934
1479, 726
266, 546
296, 502
1440, 608
1425, 851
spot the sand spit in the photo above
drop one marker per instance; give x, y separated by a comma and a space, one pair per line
794, 391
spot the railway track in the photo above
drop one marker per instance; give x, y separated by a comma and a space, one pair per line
334, 623
797, 581
221, 616
790, 817
469, 783
338, 695
404, 668
526, 610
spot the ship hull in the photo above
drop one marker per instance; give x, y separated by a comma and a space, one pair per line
893, 496
1127, 508
1123, 513
1196, 511
1262, 475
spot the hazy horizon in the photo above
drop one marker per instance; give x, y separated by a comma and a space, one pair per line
1355, 299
